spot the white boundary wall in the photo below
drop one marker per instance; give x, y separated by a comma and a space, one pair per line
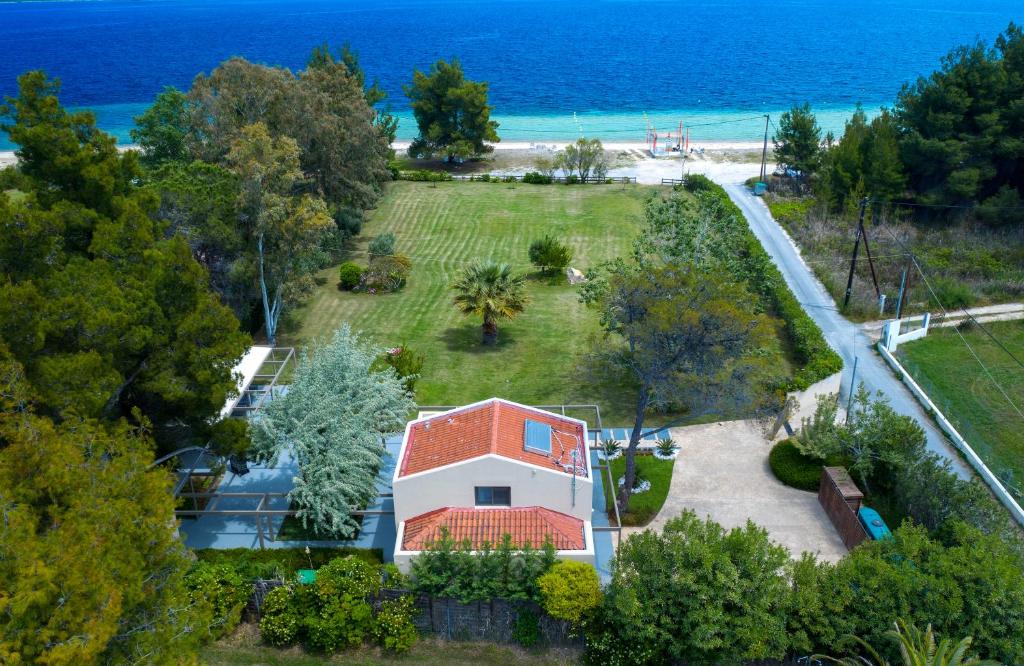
958, 441
807, 400
891, 337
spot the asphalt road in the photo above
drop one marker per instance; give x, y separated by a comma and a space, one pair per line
845, 337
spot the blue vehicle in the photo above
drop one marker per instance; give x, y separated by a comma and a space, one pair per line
873, 523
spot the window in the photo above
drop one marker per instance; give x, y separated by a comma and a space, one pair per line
493, 496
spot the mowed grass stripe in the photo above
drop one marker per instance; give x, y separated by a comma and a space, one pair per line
445, 227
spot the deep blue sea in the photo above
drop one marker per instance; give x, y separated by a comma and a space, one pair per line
607, 61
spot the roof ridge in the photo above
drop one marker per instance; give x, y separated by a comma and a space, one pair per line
548, 519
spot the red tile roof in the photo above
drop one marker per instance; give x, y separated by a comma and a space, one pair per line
497, 427
530, 523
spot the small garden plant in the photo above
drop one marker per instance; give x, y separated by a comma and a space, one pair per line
666, 448
611, 448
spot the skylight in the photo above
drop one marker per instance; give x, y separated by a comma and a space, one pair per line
538, 437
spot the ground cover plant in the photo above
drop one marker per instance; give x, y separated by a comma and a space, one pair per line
642, 506
445, 227
969, 398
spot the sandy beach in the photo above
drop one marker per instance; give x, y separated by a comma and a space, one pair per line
722, 161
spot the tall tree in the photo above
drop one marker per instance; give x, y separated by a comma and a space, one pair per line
684, 337
163, 130
491, 291
287, 232
92, 569
332, 419
798, 141
384, 120
105, 312
451, 112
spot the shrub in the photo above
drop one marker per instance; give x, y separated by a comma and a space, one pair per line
456, 571
348, 220
386, 273
279, 620
509, 179
382, 245
393, 629
526, 628
426, 176
572, 179
394, 168
610, 447
536, 178
349, 275
549, 255
406, 363
281, 563
698, 182
794, 468
570, 591
392, 578
667, 446
951, 294
230, 437
222, 592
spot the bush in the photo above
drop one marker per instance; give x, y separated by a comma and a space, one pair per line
570, 591
349, 275
395, 169
382, 245
951, 295
526, 628
426, 176
393, 629
697, 182
455, 571
386, 273
279, 619
510, 179
536, 178
572, 179
406, 363
281, 563
549, 255
794, 468
348, 221
222, 594
230, 437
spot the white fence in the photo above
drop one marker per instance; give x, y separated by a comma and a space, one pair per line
958, 441
892, 338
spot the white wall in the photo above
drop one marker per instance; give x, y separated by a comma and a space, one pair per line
404, 558
807, 400
892, 338
452, 486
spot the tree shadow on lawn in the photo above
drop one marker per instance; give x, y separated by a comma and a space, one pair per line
469, 338
550, 279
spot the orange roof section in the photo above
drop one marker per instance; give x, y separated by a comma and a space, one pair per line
531, 523
492, 427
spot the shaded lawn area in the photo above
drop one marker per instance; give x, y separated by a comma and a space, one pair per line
244, 648
445, 226
644, 506
958, 386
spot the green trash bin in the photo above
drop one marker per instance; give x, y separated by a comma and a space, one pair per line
760, 188
306, 576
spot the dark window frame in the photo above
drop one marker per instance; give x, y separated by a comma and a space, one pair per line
492, 496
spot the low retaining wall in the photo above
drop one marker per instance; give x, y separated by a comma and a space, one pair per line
893, 338
958, 441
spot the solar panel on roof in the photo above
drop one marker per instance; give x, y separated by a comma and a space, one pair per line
538, 436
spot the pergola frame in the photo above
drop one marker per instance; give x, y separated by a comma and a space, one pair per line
262, 513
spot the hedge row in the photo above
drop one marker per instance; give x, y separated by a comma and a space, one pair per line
817, 360
273, 563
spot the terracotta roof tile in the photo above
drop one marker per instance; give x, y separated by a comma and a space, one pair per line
496, 427
532, 523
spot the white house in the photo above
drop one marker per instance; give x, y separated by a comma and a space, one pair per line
494, 468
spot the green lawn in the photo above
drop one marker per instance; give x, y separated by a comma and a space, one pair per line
947, 371
644, 506
445, 226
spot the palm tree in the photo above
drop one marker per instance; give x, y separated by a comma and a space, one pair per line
917, 648
489, 289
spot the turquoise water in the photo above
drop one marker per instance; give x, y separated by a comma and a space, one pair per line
606, 61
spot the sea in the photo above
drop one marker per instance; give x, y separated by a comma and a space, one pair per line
556, 69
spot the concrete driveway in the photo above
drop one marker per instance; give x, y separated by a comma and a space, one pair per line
722, 472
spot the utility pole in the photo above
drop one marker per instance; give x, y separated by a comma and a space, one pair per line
867, 249
856, 249
764, 151
899, 299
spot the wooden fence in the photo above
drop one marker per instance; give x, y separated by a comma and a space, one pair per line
841, 499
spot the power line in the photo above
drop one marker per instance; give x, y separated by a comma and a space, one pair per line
957, 330
908, 204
